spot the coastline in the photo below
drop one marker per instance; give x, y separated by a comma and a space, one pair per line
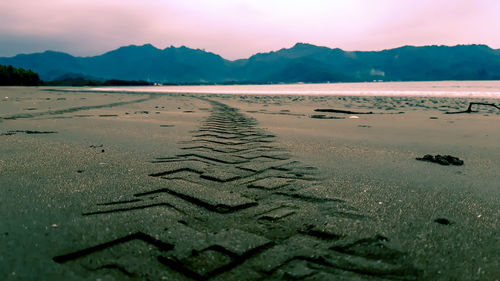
451, 88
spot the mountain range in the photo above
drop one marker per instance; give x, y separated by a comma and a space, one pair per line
300, 63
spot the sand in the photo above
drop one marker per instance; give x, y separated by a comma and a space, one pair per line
124, 186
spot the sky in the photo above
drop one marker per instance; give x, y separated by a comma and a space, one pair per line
238, 29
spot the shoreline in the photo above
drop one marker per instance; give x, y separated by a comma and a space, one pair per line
451, 89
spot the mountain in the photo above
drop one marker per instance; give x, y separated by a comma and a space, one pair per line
309, 63
128, 63
300, 63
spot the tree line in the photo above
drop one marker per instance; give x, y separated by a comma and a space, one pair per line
12, 76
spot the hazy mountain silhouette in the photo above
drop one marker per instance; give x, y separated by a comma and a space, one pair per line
301, 63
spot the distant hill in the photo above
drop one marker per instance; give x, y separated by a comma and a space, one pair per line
301, 63
309, 63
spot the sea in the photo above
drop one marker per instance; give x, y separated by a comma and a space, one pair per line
463, 89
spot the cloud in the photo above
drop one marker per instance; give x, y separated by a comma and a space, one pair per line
376, 72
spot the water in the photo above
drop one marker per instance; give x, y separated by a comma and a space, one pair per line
471, 89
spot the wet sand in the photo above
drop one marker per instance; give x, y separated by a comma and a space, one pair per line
118, 186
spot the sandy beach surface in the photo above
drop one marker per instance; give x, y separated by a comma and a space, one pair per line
145, 186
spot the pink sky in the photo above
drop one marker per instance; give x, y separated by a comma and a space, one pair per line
239, 28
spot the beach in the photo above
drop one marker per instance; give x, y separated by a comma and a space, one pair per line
123, 185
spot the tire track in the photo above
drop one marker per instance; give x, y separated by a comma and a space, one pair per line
248, 211
75, 109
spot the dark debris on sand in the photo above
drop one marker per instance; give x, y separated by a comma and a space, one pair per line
443, 221
340, 111
29, 132
469, 109
322, 116
442, 159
